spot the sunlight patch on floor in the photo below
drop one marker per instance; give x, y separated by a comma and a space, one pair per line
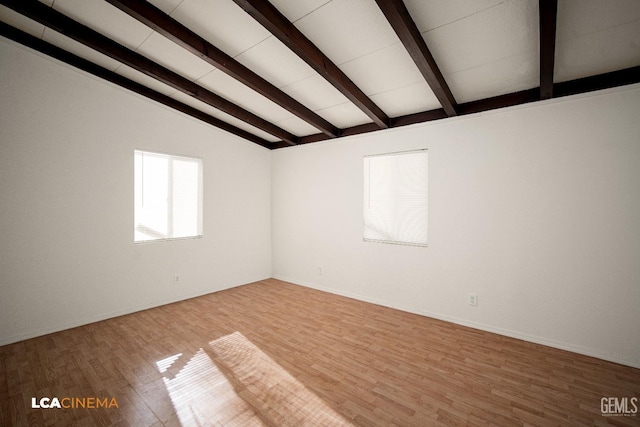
202, 395
234, 383
278, 397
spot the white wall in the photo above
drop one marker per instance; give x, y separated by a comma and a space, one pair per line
536, 209
67, 255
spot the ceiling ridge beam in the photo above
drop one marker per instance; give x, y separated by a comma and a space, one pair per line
110, 76
398, 16
164, 24
276, 23
91, 38
548, 11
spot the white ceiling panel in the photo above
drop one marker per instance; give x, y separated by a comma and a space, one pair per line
222, 23
106, 19
607, 50
21, 22
315, 92
274, 62
168, 54
407, 100
294, 10
596, 37
491, 35
577, 18
242, 95
489, 53
347, 29
79, 49
145, 80
512, 74
344, 115
297, 126
431, 14
185, 99
167, 6
383, 70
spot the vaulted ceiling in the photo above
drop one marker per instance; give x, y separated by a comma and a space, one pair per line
290, 72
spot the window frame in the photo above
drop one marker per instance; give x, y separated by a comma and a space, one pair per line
367, 223
170, 200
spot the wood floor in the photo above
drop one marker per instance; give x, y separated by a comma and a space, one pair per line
273, 353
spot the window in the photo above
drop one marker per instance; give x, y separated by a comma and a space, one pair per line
395, 198
168, 196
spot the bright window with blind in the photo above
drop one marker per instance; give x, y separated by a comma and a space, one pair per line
395, 198
168, 196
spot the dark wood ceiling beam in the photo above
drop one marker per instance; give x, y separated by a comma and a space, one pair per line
500, 101
91, 38
408, 33
609, 80
421, 117
548, 15
157, 20
98, 71
274, 21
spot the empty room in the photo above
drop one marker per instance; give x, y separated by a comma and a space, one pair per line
319, 212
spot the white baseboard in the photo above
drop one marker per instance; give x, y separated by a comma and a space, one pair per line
598, 354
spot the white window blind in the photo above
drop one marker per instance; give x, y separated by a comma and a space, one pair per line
395, 198
168, 196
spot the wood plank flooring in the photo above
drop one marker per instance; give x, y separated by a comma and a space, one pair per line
273, 353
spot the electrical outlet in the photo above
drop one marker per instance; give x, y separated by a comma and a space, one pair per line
176, 278
319, 271
473, 299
